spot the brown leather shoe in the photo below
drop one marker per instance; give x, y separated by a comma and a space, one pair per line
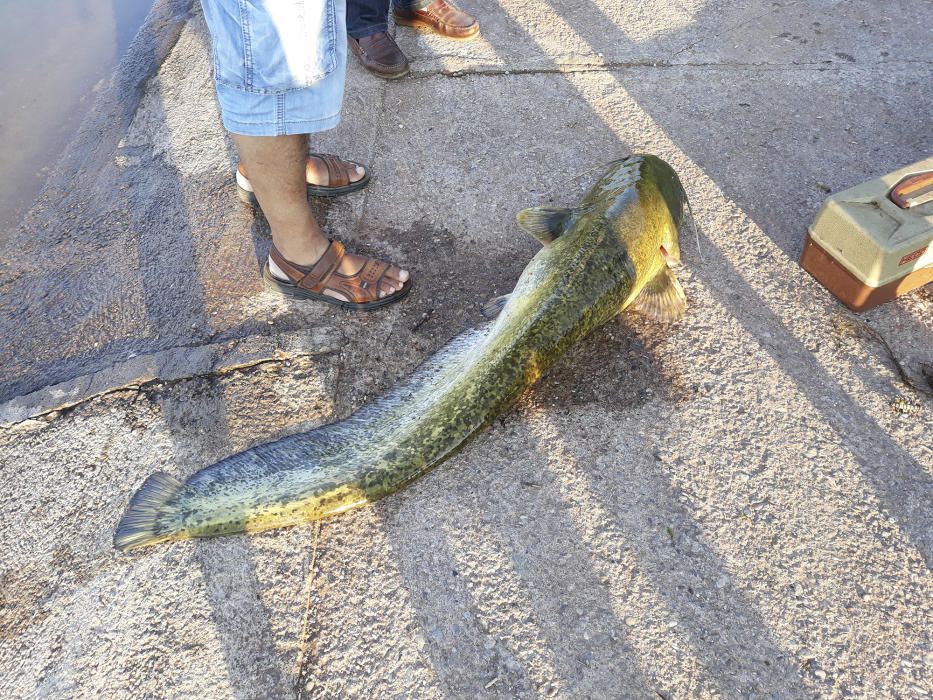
380, 54
440, 17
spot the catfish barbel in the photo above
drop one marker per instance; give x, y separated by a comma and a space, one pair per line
611, 252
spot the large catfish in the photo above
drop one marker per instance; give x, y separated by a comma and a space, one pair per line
611, 252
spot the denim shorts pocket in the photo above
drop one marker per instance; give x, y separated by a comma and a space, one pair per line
273, 46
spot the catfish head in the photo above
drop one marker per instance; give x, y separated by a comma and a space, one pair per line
636, 209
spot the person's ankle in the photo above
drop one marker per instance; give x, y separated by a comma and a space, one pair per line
303, 253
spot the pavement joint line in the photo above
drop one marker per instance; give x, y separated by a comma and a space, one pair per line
567, 68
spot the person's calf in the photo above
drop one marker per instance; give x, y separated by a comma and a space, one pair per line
277, 174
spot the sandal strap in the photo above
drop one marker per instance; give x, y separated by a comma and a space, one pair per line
336, 172
323, 268
371, 274
311, 279
364, 285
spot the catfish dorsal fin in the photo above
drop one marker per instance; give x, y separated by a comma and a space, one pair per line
662, 299
544, 223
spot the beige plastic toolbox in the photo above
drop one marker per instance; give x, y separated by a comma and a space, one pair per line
872, 242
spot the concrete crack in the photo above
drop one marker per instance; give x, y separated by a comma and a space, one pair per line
301, 675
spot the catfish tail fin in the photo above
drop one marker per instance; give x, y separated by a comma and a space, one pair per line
151, 517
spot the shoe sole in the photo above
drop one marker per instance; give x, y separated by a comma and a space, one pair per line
295, 292
421, 25
385, 76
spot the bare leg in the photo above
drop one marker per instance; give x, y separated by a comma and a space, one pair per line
277, 172
276, 166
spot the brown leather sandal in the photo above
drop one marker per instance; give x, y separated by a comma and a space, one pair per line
362, 288
338, 181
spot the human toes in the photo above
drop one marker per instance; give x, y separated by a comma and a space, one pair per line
356, 172
393, 281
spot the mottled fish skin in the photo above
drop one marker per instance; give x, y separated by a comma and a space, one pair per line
604, 252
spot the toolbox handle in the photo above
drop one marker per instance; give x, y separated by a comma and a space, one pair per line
913, 190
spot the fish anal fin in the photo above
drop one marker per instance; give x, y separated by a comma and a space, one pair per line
662, 299
493, 307
544, 223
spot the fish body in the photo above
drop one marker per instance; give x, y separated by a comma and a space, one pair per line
611, 252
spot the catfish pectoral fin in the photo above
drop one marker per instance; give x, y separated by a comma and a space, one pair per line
493, 307
662, 299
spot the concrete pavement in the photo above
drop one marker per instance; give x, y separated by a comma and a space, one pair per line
740, 505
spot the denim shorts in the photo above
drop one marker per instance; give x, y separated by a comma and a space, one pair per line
279, 65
